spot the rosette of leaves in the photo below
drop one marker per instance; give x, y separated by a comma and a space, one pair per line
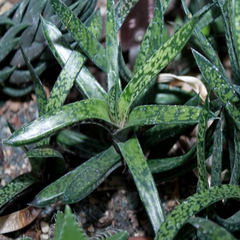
21, 25
132, 123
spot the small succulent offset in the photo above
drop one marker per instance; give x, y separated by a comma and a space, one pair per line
21, 24
132, 122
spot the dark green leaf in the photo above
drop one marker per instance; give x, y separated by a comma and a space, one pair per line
6, 21
78, 183
220, 85
201, 158
15, 187
193, 205
89, 44
17, 92
210, 230
58, 225
7, 47
44, 152
236, 21
153, 37
143, 179
152, 67
18, 15
89, 110
5, 73
39, 90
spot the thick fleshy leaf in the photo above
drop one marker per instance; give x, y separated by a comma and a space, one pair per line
230, 44
220, 85
5, 73
15, 187
18, 15
153, 66
210, 230
39, 90
17, 92
201, 158
90, 110
236, 22
80, 182
58, 225
7, 47
217, 156
44, 152
18, 220
231, 224
6, 21
85, 82
192, 205
79, 143
88, 43
133, 155
69, 228
153, 37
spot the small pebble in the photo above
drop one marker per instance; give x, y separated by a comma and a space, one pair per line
44, 227
44, 236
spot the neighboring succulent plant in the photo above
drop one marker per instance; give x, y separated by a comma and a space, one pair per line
21, 25
134, 124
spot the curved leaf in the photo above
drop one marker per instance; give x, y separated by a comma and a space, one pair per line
17, 92
18, 220
220, 85
123, 235
192, 205
44, 152
90, 110
210, 230
80, 182
89, 44
5, 73
143, 179
7, 47
16, 186
153, 66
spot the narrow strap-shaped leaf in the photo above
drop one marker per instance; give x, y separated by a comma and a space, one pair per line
17, 92
192, 205
88, 43
69, 228
153, 37
133, 155
77, 184
6, 21
231, 224
113, 103
235, 174
153, 66
65, 80
230, 45
210, 230
201, 158
220, 85
89, 110
39, 90
15, 187
5, 73
236, 21
18, 15
44, 152
85, 82
7, 47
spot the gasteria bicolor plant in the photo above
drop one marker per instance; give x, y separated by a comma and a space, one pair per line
21, 24
131, 122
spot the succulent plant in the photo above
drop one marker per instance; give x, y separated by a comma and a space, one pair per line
133, 124
21, 26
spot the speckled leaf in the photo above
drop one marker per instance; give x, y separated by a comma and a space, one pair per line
39, 90
85, 82
153, 66
44, 152
15, 187
236, 21
58, 225
7, 47
230, 44
192, 205
220, 85
18, 15
79, 143
90, 110
217, 156
77, 184
17, 92
166, 164
235, 174
207, 229
69, 228
89, 44
5, 73
153, 37
231, 224
201, 158
65, 80
133, 155
18, 220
